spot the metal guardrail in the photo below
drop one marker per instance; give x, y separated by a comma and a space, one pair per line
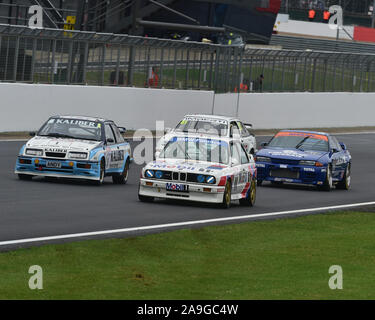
295, 43
72, 57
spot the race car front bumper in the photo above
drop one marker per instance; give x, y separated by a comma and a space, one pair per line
195, 192
291, 173
75, 169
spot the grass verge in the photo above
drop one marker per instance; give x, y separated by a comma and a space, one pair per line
280, 259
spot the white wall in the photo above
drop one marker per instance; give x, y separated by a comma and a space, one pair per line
27, 106
300, 110
318, 29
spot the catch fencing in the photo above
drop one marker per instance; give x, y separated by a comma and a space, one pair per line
52, 56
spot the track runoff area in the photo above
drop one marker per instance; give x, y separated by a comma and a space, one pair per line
41, 211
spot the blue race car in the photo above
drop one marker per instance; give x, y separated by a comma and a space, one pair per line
76, 147
304, 157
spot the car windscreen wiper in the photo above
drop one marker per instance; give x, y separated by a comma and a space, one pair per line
301, 142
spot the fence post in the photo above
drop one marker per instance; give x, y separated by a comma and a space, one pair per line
53, 61
70, 63
131, 65
175, 68
16, 51
32, 69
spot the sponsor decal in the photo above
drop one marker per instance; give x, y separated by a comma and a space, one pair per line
204, 119
302, 134
82, 123
199, 140
216, 167
56, 150
289, 153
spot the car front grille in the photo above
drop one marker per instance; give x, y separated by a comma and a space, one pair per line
55, 154
284, 173
285, 161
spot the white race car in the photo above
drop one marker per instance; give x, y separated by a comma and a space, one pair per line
214, 170
211, 125
76, 147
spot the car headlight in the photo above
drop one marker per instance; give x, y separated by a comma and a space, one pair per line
34, 152
77, 155
149, 173
307, 163
311, 163
211, 179
262, 159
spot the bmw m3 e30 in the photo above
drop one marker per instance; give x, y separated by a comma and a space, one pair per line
201, 169
305, 157
76, 147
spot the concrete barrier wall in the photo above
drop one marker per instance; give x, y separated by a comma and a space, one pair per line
317, 29
300, 110
26, 106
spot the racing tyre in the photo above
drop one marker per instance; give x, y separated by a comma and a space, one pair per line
123, 177
101, 174
249, 201
25, 177
344, 184
328, 183
227, 195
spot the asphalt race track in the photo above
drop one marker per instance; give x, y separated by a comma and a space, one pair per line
40, 208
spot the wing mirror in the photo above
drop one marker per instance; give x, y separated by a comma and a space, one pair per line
32, 134
122, 130
343, 146
167, 130
264, 144
110, 140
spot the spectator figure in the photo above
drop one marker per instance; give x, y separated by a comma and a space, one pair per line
153, 80
259, 83
312, 14
244, 86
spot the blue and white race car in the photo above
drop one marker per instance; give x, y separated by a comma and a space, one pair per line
304, 157
76, 147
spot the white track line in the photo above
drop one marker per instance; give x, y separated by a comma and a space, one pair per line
187, 223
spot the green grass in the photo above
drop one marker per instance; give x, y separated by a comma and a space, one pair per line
280, 259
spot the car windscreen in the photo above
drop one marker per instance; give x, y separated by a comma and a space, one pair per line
207, 126
300, 141
72, 128
198, 149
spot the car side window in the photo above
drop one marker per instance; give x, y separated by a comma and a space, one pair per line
109, 134
334, 144
243, 154
243, 130
234, 128
235, 153
118, 135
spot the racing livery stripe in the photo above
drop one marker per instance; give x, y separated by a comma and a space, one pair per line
245, 190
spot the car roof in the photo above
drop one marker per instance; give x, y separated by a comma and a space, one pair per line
305, 131
82, 118
211, 116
